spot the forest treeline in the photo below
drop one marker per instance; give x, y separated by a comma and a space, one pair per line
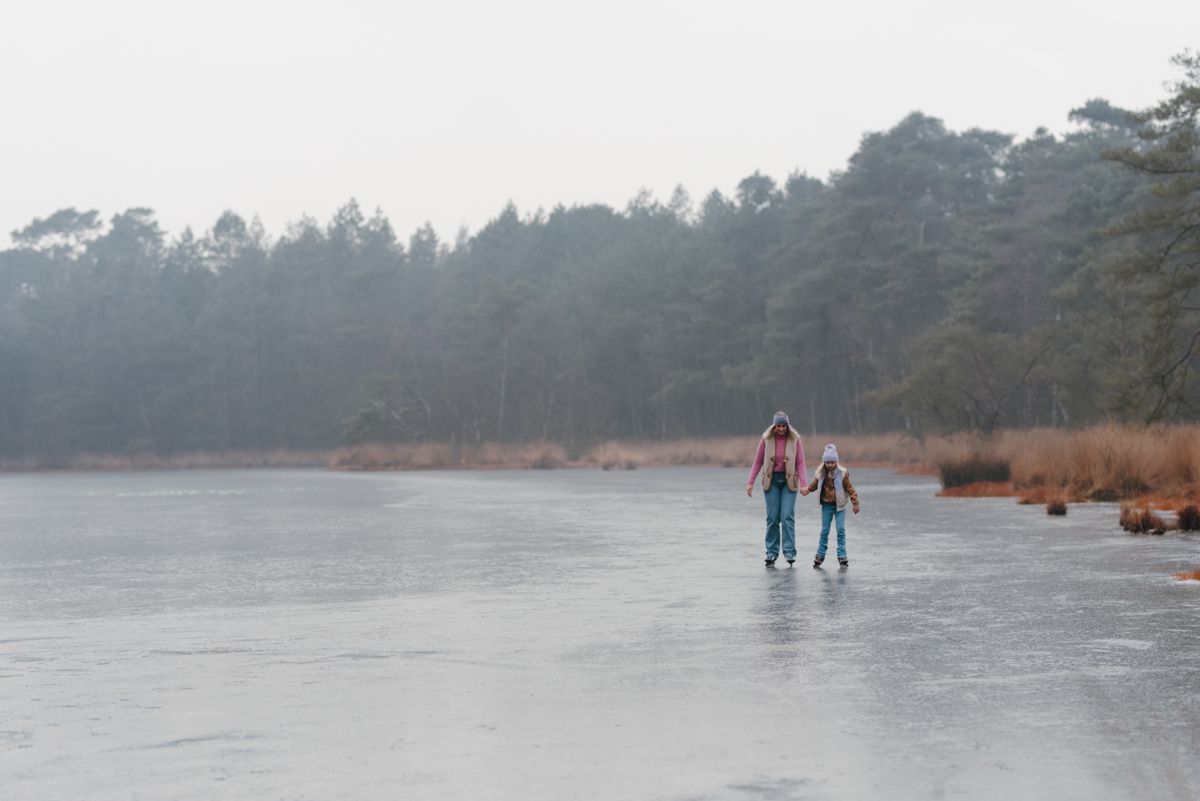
943, 281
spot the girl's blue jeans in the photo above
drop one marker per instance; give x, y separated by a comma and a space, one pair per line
781, 514
829, 513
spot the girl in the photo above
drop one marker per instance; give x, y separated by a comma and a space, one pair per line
836, 492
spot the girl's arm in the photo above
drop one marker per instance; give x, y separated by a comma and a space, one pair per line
850, 491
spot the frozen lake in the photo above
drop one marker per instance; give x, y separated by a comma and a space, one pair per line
580, 634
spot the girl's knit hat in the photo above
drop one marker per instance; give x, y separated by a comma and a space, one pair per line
780, 417
830, 454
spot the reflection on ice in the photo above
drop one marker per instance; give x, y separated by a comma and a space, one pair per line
579, 634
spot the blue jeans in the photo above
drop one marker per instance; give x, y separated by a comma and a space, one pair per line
781, 513
830, 512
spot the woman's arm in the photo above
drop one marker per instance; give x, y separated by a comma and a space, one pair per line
759, 455
801, 467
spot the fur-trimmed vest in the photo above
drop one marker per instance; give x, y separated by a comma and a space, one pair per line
789, 458
839, 474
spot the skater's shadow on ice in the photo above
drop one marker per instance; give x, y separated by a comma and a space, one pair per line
779, 613
784, 789
833, 589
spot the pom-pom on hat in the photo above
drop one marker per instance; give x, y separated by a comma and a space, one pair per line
830, 454
780, 417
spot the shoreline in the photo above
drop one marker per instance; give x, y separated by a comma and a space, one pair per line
1159, 466
1153, 474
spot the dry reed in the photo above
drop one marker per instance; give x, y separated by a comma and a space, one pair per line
1107, 462
448, 456
1141, 520
1037, 495
974, 470
628, 454
1188, 518
980, 489
891, 450
1103, 463
200, 460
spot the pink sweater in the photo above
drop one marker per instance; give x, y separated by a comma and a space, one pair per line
780, 445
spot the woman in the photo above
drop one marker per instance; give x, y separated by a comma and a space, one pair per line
780, 482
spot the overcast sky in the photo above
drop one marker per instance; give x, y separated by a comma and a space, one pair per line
444, 110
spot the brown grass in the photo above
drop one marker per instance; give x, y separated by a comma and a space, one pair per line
980, 489
884, 450
446, 456
1188, 575
898, 451
1188, 518
613, 455
1034, 496
1141, 520
182, 461
1154, 470
1157, 466
1103, 463
1056, 507
628, 454
1166, 502
1109, 461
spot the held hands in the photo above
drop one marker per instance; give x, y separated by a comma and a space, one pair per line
804, 490
749, 490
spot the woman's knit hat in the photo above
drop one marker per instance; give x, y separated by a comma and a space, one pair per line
780, 417
830, 454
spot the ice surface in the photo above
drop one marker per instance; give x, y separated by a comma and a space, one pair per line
580, 634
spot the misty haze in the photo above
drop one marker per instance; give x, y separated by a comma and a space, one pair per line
392, 399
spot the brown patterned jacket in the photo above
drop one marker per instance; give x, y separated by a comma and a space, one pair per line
829, 489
